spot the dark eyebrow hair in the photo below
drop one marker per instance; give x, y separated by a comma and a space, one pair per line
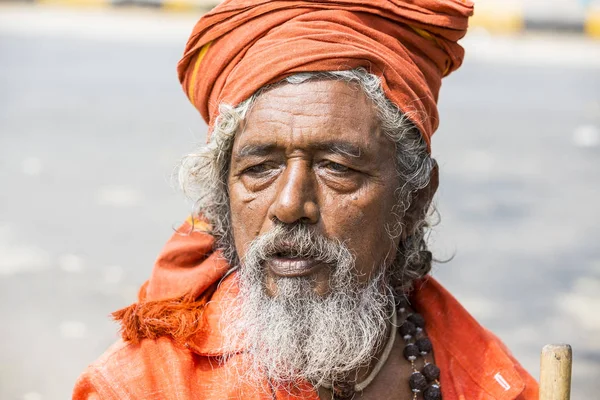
255, 150
339, 147
334, 146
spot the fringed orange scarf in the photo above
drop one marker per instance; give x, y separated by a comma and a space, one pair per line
172, 302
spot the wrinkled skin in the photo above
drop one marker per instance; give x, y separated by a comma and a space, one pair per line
313, 153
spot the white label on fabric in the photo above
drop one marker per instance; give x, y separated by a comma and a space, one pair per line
501, 381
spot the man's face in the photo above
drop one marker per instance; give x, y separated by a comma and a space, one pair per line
313, 154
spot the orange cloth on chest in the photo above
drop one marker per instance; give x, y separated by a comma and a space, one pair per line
243, 45
156, 365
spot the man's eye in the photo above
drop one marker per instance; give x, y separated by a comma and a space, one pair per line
335, 167
257, 169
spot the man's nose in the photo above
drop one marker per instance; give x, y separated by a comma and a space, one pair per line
296, 198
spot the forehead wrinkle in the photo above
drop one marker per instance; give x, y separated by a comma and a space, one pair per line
327, 89
325, 86
307, 117
326, 135
283, 114
273, 106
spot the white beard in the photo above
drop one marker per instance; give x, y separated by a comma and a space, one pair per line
297, 334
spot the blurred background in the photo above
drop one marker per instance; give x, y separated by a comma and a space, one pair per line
93, 121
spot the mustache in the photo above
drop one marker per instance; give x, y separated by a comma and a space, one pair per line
298, 241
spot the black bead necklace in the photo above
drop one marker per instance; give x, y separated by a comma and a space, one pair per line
417, 346
426, 381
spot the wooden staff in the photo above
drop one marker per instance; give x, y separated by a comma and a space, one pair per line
555, 372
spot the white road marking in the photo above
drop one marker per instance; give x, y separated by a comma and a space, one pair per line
149, 26
146, 26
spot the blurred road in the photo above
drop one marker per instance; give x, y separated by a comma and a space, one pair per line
92, 122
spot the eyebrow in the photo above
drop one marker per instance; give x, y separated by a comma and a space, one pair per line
344, 148
255, 150
334, 146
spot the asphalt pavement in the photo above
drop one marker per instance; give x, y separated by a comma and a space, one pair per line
93, 121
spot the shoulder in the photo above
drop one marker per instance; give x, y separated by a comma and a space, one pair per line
530, 389
473, 361
145, 370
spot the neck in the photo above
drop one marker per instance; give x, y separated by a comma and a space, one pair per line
365, 377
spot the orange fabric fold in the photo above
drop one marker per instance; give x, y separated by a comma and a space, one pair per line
173, 339
172, 302
474, 363
243, 45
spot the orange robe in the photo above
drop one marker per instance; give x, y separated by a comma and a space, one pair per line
156, 364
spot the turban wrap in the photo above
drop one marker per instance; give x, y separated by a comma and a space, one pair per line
242, 45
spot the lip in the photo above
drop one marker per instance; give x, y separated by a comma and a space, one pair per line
293, 267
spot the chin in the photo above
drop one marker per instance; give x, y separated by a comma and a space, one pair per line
308, 327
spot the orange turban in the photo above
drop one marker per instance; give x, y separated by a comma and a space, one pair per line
243, 45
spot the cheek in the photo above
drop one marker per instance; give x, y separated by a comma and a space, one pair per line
365, 211
248, 213
361, 220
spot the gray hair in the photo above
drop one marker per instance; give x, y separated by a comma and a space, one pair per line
203, 175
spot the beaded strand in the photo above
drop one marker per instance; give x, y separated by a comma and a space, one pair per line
417, 346
426, 381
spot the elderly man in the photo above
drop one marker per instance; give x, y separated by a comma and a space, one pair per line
303, 272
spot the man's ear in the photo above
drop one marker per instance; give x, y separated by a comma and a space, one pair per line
420, 202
